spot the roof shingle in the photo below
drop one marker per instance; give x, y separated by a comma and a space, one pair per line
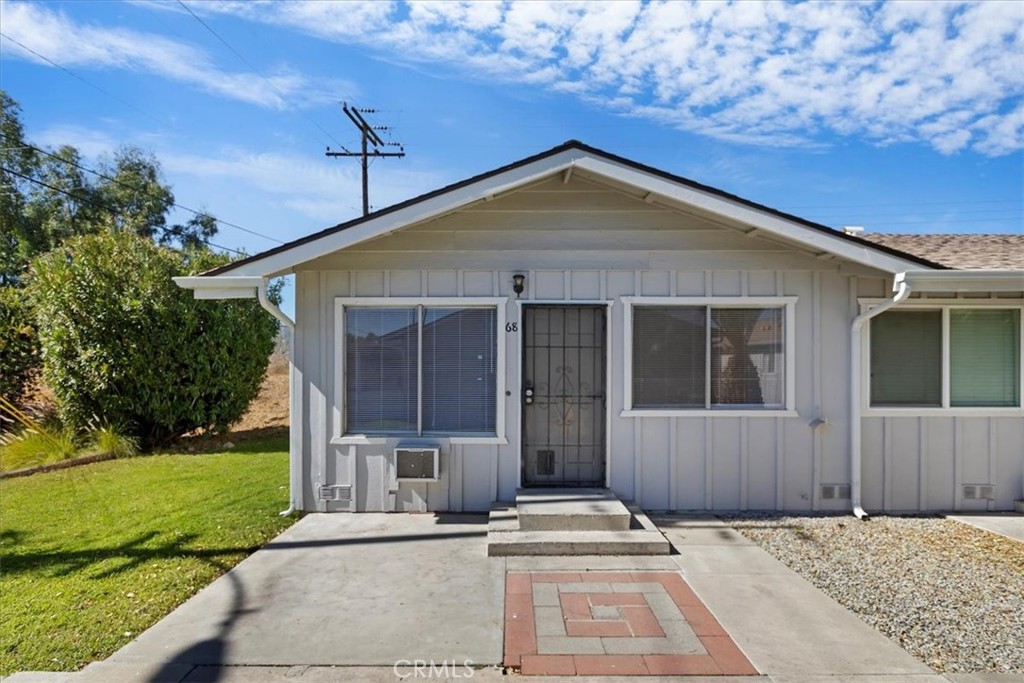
965, 252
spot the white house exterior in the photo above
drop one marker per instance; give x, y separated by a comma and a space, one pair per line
686, 348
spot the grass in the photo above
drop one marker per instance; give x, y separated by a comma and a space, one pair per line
91, 556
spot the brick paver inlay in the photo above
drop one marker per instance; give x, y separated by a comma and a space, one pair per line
613, 623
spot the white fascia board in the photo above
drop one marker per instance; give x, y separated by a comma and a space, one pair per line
737, 211
220, 287
963, 280
286, 260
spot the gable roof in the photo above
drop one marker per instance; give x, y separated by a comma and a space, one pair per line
968, 252
659, 186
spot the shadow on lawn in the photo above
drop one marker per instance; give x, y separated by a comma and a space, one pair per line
125, 556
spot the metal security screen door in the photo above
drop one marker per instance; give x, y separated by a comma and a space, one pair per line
563, 395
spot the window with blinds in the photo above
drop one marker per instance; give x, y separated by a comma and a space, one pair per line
420, 370
906, 358
705, 357
459, 370
381, 369
984, 357
982, 362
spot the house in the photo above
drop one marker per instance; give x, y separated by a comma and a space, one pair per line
577, 318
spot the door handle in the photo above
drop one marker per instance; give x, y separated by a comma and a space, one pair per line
528, 393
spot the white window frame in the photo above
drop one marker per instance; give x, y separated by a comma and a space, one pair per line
787, 303
945, 410
339, 435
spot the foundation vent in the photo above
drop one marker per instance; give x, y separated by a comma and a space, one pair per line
979, 492
335, 493
835, 491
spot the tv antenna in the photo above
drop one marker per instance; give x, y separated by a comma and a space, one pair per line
371, 146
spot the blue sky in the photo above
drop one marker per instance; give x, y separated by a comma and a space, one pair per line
901, 117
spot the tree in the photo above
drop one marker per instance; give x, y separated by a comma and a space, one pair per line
192, 235
122, 342
17, 162
49, 196
19, 349
133, 193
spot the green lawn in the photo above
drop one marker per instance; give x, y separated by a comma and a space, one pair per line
93, 555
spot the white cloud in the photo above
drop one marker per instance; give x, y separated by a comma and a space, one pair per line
71, 44
944, 74
320, 189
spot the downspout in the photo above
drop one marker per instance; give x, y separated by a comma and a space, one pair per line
293, 465
902, 289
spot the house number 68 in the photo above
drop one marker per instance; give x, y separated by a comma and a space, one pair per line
511, 327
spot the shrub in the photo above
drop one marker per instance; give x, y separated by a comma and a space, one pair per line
19, 350
122, 342
113, 440
39, 444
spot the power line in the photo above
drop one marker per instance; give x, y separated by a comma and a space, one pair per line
259, 73
1018, 200
84, 80
106, 208
139, 189
368, 136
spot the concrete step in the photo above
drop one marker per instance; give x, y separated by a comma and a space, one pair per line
570, 509
519, 543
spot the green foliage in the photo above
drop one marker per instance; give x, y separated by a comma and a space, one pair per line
39, 445
47, 196
133, 193
16, 160
95, 555
115, 441
19, 347
121, 341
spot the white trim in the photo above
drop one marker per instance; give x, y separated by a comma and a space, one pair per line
358, 440
653, 187
945, 410
474, 440
788, 306
965, 280
704, 412
338, 404
866, 302
665, 191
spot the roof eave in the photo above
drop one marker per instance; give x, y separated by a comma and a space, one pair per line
963, 281
817, 238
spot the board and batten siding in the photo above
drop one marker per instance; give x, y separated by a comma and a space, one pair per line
922, 463
581, 241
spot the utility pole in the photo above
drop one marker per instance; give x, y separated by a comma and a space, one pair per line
370, 146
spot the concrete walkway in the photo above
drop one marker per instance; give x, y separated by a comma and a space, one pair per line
1009, 524
359, 598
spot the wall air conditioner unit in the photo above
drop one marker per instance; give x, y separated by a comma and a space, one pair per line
417, 463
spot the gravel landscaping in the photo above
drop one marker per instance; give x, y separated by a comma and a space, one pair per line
948, 593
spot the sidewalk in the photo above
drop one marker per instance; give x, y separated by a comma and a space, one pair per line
359, 598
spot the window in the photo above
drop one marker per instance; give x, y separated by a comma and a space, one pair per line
707, 356
946, 358
420, 369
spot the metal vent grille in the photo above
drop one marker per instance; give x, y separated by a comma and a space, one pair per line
416, 464
835, 491
335, 493
545, 462
979, 492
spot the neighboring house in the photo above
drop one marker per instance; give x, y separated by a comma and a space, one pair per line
686, 348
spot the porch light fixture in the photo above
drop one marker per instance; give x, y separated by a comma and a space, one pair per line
517, 283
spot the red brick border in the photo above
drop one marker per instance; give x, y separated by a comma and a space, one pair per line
723, 656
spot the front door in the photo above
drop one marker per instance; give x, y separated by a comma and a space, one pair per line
563, 395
